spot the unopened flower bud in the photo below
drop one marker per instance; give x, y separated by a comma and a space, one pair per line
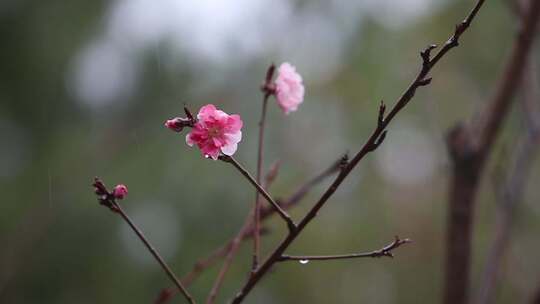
176, 124
120, 191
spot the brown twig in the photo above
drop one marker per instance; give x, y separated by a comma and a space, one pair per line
385, 251
156, 255
469, 146
231, 247
260, 153
513, 188
372, 143
108, 199
282, 213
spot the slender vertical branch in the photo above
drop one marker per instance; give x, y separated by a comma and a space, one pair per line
374, 141
257, 212
470, 146
154, 252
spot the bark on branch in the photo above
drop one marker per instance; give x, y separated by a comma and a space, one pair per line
386, 251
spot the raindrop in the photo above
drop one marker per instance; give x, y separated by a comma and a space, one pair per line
303, 262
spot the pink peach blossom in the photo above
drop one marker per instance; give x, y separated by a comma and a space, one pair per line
289, 88
215, 132
120, 191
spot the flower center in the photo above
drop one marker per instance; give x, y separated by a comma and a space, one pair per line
213, 132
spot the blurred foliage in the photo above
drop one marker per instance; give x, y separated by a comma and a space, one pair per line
60, 246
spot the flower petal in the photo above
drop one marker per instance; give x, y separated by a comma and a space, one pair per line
234, 123
235, 137
229, 149
189, 141
206, 111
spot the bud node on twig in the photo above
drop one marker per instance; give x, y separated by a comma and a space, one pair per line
426, 54
380, 119
424, 81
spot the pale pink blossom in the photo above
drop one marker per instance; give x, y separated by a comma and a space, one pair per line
289, 88
120, 191
215, 132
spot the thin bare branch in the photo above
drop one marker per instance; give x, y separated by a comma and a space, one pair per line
108, 199
284, 215
260, 160
156, 255
386, 251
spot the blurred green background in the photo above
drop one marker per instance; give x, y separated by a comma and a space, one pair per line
85, 87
